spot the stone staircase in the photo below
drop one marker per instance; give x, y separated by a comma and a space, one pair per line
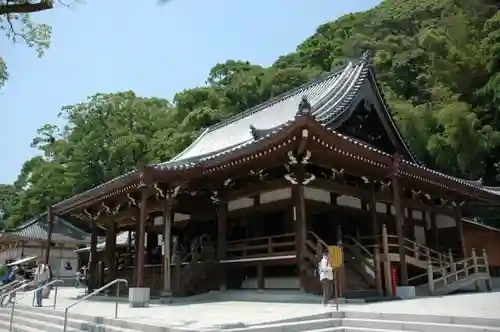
46, 320
375, 322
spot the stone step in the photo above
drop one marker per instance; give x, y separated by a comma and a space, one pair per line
41, 320
414, 326
353, 329
419, 318
376, 322
300, 326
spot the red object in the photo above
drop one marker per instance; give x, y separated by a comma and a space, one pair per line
394, 279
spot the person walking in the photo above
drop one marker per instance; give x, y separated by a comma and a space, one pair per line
326, 276
41, 275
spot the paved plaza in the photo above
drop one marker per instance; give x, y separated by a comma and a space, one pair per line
206, 315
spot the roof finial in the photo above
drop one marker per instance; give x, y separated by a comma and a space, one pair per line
304, 106
254, 132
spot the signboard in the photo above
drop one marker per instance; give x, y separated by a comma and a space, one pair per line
394, 279
336, 256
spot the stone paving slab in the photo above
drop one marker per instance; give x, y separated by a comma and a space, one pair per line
483, 305
208, 315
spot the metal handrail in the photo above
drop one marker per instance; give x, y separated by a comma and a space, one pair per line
97, 291
32, 291
23, 286
15, 282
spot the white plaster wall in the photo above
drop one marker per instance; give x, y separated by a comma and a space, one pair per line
318, 195
381, 208
420, 235
444, 221
417, 215
157, 221
349, 201
240, 203
58, 259
275, 195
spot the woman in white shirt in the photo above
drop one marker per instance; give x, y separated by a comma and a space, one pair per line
41, 275
326, 276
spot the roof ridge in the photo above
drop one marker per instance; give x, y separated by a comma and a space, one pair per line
274, 100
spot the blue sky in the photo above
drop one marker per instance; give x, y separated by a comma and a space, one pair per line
114, 45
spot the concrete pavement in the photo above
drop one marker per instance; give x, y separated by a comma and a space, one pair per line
210, 315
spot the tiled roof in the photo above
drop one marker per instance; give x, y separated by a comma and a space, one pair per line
37, 229
328, 96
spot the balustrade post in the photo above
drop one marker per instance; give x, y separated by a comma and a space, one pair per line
430, 277
378, 272
415, 250
476, 268
428, 254
387, 263
452, 264
489, 284
474, 260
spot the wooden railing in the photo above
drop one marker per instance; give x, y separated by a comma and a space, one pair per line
275, 245
458, 271
316, 245
412, 248
363, 256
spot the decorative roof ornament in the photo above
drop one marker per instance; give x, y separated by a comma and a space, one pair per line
254, 132
304, 106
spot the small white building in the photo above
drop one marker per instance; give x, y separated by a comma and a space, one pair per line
30, 239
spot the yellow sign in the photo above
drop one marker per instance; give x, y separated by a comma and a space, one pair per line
336, 256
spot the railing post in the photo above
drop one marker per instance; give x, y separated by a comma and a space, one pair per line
489, 284
415, 250
12, 313
430, 277
476, 268
387, 263
428, 254
474, 260
378, 273
452, 264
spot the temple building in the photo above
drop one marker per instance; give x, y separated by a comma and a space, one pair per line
28, 242
256, 198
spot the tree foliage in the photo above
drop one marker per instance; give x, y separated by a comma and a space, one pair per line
437, 61
16, 23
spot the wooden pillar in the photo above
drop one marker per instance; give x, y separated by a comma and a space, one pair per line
299, 217
140, 237
340, 275
221, 211
376, 249
136, 248
434, 231
260, 276
460, 229
50, 227
399, 216
168, 218
387, 262
92, 267
110, 250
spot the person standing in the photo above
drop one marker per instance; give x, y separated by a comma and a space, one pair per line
41, 276
326, 276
